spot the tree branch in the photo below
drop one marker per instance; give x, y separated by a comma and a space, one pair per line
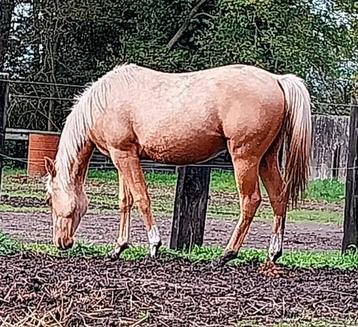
185, 25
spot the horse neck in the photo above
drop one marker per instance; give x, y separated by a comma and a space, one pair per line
79, 167
73, 173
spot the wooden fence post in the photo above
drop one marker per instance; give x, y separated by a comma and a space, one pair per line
4, 92
350, 238
190, 206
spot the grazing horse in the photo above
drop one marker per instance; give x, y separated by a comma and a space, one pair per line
132, 113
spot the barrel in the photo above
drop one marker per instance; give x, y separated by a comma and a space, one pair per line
39, 147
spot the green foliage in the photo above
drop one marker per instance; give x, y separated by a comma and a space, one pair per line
315, 39
9, 246
326, 189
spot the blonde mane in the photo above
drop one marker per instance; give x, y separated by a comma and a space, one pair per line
81, 119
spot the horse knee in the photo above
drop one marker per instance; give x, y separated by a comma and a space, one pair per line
125, 207
126, 204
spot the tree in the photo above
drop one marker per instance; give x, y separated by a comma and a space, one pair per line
6, 10
79, 40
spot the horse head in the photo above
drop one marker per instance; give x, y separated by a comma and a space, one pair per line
68, 205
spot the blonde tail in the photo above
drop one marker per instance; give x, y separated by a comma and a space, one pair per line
298, 130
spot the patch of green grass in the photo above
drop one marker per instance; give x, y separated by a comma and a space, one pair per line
221, 181
9, 170
13, 208
152, 178
304, 259
296, 215
9, 245
326, 189
214, 212
315, 216
224, 181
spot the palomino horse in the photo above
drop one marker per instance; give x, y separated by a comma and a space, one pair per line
183, 118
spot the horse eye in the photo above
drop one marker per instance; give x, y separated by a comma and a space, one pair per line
48, 201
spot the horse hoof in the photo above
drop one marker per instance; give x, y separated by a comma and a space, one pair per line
154, 249
115, 254
223, 259
217, 263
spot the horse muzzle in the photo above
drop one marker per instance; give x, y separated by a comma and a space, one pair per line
63, 243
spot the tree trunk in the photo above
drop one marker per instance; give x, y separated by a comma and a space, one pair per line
6, 10
350, 238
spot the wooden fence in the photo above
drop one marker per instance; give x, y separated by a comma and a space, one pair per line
330, 146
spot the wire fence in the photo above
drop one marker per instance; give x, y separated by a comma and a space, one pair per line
153, 165
64, 85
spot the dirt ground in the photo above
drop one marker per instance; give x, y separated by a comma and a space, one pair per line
94, 292
103, 229
77, 291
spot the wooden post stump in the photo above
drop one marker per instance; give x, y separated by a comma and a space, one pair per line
4, 93
350, 239
190, 206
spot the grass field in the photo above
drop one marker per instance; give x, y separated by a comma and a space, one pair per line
323, 202
302, 259
224, 181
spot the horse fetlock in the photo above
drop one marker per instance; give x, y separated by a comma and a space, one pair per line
227, 256
154, 249
154, 241
117, 251
275, 249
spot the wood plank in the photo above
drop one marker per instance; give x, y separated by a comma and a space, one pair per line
21, 134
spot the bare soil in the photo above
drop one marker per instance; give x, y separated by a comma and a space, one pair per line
37, 227
94, 292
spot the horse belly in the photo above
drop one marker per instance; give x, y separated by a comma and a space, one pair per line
183, 151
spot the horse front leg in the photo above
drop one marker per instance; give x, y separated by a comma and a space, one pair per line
128, 164
125, 206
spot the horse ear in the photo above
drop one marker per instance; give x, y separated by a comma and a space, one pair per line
50, 166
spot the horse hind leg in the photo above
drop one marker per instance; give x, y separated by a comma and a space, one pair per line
246, 175
125, 206
273, 182
129, 165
